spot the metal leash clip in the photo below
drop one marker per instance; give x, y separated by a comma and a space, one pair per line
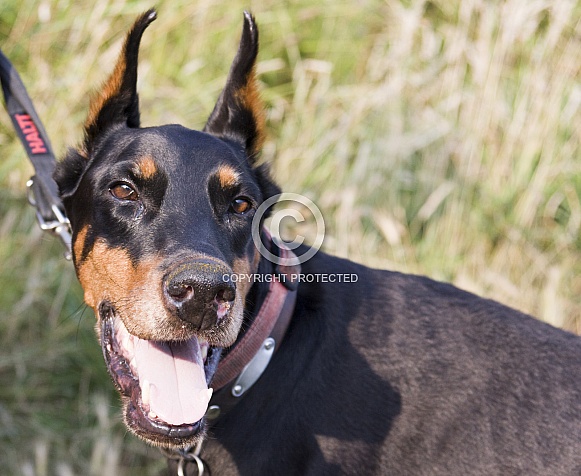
182, 456
60, 227
190, 457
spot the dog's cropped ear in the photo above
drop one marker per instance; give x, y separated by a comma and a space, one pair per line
116, 102
239, 114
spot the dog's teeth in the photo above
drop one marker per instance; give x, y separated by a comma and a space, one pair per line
128, 343
210, 391
152, 415
204, 352
145, 386
109, 348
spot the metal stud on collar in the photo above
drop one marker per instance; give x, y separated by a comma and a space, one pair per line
213, 412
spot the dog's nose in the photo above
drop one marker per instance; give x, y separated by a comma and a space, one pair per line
200, 291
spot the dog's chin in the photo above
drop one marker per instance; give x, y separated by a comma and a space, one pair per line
163, 384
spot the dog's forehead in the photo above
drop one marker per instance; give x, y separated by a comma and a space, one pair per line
175, 146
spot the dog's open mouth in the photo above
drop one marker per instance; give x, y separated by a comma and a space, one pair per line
165, 383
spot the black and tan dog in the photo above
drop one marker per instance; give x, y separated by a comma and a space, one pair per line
391, 374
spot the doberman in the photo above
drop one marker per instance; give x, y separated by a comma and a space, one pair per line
384, 374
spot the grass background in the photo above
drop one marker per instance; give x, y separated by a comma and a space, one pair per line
438, 137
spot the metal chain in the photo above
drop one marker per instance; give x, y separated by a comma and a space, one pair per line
182, 456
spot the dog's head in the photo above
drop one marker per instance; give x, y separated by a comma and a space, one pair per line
161, 219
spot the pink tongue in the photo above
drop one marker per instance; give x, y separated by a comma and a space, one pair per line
178, 393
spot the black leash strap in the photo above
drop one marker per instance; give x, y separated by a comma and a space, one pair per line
43, 191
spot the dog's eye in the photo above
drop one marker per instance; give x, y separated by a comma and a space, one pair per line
123, 191
240, 205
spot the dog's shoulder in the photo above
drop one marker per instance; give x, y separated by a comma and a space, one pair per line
410, 356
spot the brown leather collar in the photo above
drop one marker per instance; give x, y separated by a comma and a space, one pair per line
264, 335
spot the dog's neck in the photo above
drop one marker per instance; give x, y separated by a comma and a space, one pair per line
267, 314
256, 295
258, 291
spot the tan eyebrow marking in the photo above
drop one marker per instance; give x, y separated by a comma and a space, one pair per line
227, 176
146, 167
